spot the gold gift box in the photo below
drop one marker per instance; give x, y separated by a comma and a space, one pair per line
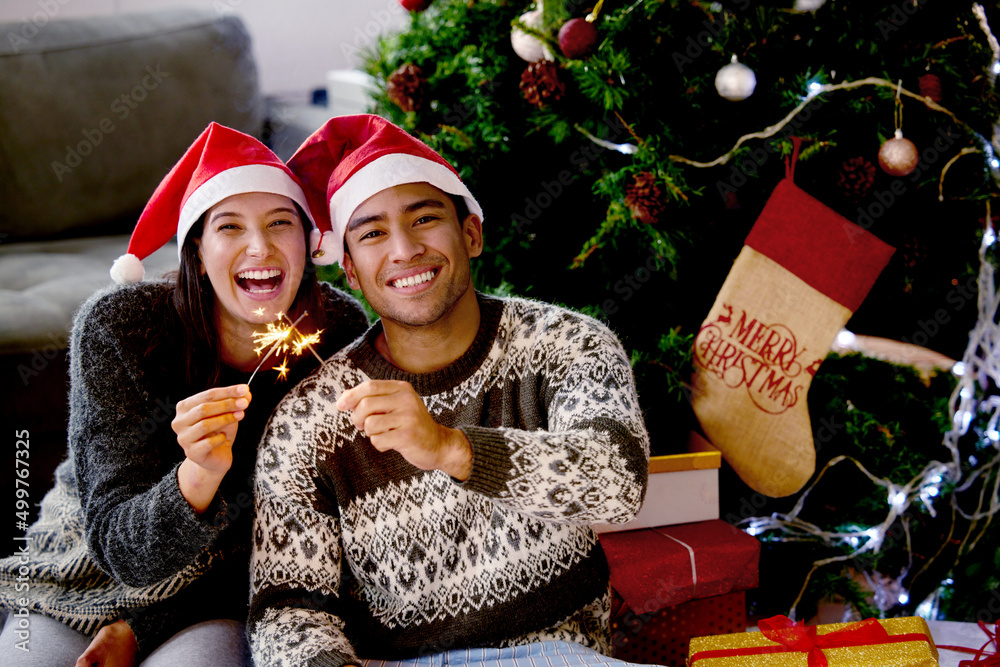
688, 461
895, 653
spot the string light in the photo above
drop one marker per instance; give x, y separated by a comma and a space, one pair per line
929, 608
898, 500
624, 149
846, 339
813, 88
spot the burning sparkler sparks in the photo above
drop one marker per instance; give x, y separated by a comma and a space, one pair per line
282, 337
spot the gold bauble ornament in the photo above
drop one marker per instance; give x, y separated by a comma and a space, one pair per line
898, 156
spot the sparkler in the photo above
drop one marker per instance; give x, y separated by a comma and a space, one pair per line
283, 338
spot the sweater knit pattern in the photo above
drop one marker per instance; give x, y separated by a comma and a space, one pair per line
115, 538
358, 553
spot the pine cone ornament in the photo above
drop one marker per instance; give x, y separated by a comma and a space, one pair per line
406, 87
644, 198
540, 83
913, 252
856, 178
930, 87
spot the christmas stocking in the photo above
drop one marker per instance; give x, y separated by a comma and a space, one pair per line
804, 269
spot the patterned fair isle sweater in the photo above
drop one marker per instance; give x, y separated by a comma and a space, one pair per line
115, 538
357, 553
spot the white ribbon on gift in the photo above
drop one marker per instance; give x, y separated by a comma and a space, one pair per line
694, 569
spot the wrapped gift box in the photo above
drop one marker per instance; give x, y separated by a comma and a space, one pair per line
662, 567
661, 637
672, 583
683, 488
891, 642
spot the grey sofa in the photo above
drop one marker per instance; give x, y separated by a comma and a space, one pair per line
93, 113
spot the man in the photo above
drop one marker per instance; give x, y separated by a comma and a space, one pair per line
431, 487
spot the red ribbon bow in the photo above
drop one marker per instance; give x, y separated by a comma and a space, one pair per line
804, 639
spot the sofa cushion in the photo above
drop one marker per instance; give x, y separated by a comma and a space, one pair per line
95, 111
43, 283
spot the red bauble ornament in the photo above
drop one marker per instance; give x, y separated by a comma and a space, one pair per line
577, 38
898, 156
415, 5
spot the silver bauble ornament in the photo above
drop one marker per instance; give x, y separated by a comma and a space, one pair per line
735, 81
808, 5
528, 47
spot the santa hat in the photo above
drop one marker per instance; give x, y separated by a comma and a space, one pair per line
222, 162
351, 158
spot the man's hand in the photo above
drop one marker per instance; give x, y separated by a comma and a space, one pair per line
113, 646
393, 416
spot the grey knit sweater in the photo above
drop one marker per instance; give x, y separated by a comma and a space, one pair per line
115, 538
359, 554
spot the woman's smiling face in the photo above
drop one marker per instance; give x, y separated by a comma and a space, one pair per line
253, 250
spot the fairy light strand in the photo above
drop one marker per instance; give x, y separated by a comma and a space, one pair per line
984, 24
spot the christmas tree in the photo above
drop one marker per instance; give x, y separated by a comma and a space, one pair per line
622, 151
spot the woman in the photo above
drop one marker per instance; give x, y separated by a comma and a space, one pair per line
144, 539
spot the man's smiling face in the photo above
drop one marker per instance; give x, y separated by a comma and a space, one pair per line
409, 254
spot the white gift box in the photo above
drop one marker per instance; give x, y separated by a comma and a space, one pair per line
683, 488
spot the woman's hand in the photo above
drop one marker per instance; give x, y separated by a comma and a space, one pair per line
113, 646
206, 425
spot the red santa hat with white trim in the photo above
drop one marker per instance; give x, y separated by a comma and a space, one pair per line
222, 162
351, 158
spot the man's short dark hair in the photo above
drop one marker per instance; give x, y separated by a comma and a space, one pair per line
461, 207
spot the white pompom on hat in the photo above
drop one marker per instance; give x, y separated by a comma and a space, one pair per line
222, 162
351, 158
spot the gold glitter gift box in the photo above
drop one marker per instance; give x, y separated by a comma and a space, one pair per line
891, 642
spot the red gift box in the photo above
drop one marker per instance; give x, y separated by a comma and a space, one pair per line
662, 567
662, 637
676, 582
